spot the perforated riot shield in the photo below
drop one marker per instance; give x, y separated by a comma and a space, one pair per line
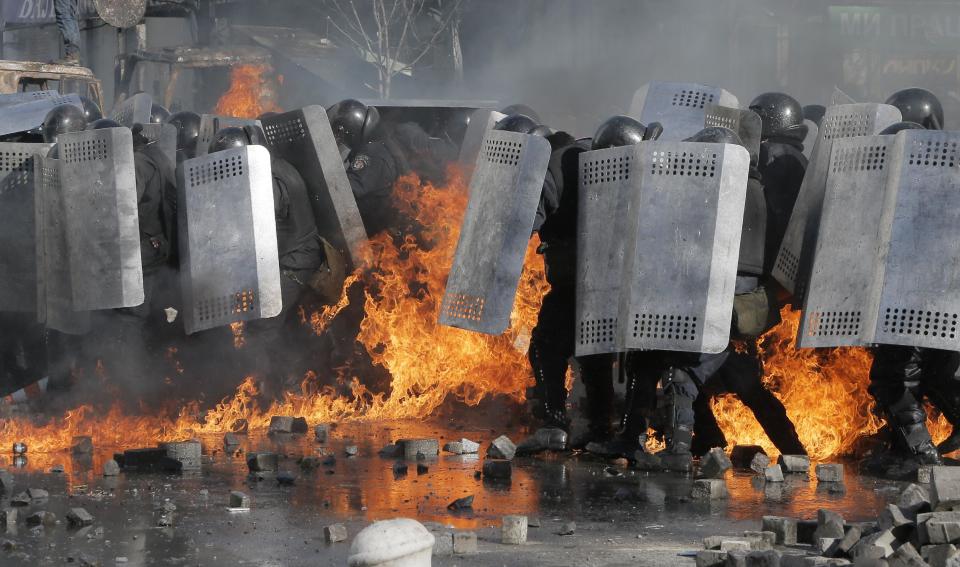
304, 138
811, 138
683, 241
103, 228
165, 136
133, 110
504, 193
746, 123
29, 115
210, 124
7, 99
792, 267
481, 121
679, 107
229, 265
18, 244
54, 295
838, 299
918, 294
839, 97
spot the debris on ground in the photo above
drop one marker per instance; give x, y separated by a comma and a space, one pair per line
502, 448
461, 504
287, 424
335, 533
513, 530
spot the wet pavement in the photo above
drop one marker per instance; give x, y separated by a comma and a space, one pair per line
623, 517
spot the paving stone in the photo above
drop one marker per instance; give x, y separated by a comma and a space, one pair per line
287, 424
151, 459
846, 543
942, 532
502, 448
742, 455
497, 469
712, 542
81, 445
567, 529
906, 556
513, 530
461, 504
938, 555
286, 478
335, 533
736, 558
111, 468
829, 472
714, 464
877, 545
710, 558
824, 544
464, 543
763, 558
321, 432
784, 528
794, 464
231, 441
392, 451
186, 452
469, 447
453, 447
944, 488
759, 463
729, 545
773, 473
761, 541
443, 544
239, 499
414, 447
78, 517
709, 489
351, 450
37, 494
263, 462
22, 499
42, 518
8, 519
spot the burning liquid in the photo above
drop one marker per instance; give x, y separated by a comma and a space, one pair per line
252, 92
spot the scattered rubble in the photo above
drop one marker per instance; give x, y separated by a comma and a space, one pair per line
497, 469
464, 543
286, 478
153, 459
321, 432
759, 463
19, 448
461, 504
742, 455
78, 517
709, 489
773, 473
335, 533
567, 528
829, 472
239, 499
351, 450
42, 518
8, 518
513, 530
187, 453
287, 424
794, 464
502, 448
414, 448
714, 464
111, 468
262, 462
37, 494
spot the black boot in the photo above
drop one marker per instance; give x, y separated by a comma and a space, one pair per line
679, 392
910, 435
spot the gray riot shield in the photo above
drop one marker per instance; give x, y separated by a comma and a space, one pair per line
839, 97
103, 228
133, 110
304, 138
229, 265
838, 299
29, 115
918, 295
679, 107
165, 136
18, 244
7, 99
608, 180
811, 138
481, 121
746, 123
54, 294
504, 193
792, 267
682, 245
210, 124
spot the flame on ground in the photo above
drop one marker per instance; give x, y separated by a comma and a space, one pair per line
253, 91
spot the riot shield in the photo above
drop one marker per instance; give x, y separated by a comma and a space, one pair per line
504, 192
792, 267
165, 136
679, 107
229, 265
18, 245
103, 227
54, 295
837, 302
918, 297
481, 121
811, 138
746, 123
210, 124
133, 110
608, 180
839, 97
29, 115
7, 99
304, 138
682, 245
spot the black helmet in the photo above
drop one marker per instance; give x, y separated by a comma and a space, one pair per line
898, 126
520, 123
780, 113
158, 114
920, 106
543, 130
237, 137
814, 113
90, 110
62, 119
103, 123
716, 135
521, 109
618, 131
188, 127
352, 122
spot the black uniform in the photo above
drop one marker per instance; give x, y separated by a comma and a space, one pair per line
782, 166
552, 340
375, 167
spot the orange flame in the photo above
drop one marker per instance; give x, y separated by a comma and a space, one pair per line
252, 92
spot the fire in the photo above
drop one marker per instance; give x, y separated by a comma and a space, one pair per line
253, 91
823, 390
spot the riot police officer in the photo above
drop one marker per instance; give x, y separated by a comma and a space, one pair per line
377, 154
188, 132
